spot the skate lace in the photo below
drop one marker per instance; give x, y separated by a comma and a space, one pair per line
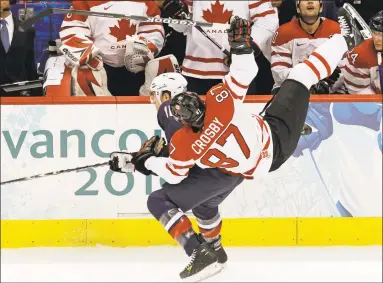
192, 259
344, 27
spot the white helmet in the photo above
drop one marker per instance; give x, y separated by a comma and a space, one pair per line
174, 83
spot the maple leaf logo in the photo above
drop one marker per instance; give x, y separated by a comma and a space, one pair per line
217, 14
124, 28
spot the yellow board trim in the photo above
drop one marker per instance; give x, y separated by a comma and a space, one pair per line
149, 232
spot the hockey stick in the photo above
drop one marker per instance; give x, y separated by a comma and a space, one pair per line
365, 31
52, 11
54, 173
227, 53
367, 34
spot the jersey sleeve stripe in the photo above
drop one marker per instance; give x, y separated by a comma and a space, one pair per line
174, 172
203, 73
204, 60
190, 162
313, 68
68, 27
261, 15
178, 167
283, 64
323, 61
238, 84
233, 93
355, 85
282, 54
257, 4
357, 75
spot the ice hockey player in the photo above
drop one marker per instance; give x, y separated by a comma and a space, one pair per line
205, 65
361, 72
221, 134
209, 221
119, 49
294, 41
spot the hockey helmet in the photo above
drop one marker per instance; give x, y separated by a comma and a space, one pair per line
376, 22
172, 83
189, 109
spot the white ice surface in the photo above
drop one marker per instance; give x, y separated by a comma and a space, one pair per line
159, 264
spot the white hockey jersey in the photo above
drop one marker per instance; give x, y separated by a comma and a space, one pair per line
109, 34
202, 58
291, 45
361, 74
233, 140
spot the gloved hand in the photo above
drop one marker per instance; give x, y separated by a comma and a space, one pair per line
80, 52
121, 162
322, 87
175, 9
138, 54
256, 51
331, 80
239, 35
152, 147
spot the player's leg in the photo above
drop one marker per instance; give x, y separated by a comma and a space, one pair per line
209, 223
169, 204
288, 110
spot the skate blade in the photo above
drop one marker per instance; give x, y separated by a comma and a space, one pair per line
206, 273
223, 265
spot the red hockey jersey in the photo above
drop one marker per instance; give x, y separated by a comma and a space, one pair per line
291, 45
361, 74
234, 140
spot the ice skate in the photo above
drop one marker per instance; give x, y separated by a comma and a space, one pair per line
221, 254
203, 264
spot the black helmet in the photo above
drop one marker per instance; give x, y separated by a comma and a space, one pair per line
188, 108
376, 22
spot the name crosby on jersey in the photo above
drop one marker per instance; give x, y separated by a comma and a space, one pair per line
209, 133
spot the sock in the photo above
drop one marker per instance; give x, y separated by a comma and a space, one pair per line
321, 63
210, 229
178, 225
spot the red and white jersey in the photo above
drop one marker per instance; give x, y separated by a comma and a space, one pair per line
237, 142
109, 34
202, 58
291, 45
361, 74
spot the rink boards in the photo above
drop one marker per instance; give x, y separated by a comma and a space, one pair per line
335, 173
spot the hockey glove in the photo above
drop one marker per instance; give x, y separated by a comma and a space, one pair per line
240, 36
120, 162
152, 147
256, 51
79, 51
139, 52
322, 87
175, 9
331, 80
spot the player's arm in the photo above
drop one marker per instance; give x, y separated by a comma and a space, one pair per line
243, 68
152, 33
75, 34
356, 77
175, 168
75, 24
281, 59
265, 19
